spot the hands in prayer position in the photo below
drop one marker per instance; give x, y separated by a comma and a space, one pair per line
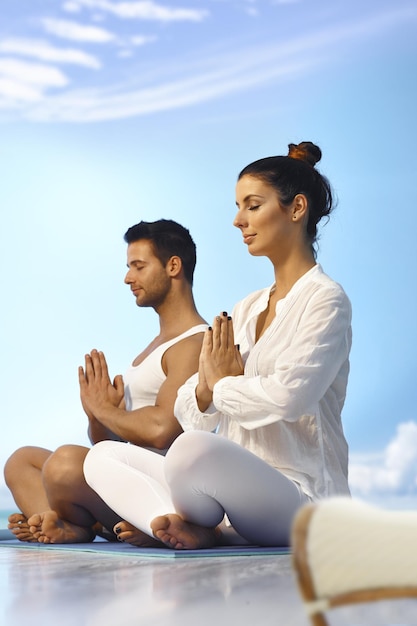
97, 391
219, 357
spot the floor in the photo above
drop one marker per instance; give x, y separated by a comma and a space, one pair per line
40, 588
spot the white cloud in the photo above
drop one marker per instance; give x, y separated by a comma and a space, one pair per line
127, 46
145, 10
71, 7
201, 86
12, 92
77, 32
168, 85
24, 82
32, 73
42, 50
394, 471
141, 40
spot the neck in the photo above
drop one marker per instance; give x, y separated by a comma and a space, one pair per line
178, 312
288, 272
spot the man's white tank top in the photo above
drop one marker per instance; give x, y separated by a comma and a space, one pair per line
143, 381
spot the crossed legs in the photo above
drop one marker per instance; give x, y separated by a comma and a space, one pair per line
23, 476
210, 476
57, 505
181, 499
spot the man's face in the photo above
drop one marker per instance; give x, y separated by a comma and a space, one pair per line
146, 276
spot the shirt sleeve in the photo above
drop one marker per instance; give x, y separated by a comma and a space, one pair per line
291, 383
187, 412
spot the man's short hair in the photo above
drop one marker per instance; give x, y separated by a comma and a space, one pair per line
168, 239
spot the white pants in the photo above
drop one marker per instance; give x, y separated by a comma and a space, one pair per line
203, 477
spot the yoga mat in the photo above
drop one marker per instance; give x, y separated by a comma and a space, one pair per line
125, 549
5, 534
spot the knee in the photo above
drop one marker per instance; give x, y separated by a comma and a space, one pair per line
15, 464
93, 461
190, 451
64, 466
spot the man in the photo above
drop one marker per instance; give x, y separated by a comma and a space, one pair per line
56, 504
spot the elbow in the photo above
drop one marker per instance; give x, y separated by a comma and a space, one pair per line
166, 436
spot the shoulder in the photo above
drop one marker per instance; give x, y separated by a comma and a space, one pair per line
325, 286
187, 347
322, 301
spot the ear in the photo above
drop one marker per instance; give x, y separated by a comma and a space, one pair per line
174, 266
299, 207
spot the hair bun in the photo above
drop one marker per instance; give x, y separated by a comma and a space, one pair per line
305, 151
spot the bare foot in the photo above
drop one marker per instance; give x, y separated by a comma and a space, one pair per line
178, 534
128, 533
19, 526
47, 527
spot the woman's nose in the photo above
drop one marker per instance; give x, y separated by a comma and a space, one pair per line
239, 219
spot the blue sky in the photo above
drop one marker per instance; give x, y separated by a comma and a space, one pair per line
112, 112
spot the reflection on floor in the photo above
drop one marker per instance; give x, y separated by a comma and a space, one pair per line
40, 588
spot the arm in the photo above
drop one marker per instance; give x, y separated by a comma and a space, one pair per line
219, 357
151, 426
97, 432
188, 412
288, 381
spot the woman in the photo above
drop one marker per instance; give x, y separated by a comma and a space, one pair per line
271, 384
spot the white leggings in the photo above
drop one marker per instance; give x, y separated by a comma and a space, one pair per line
203, 477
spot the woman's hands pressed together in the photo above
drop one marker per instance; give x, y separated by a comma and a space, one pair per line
219, 357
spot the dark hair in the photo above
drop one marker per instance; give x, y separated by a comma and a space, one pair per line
168, 239
293, 174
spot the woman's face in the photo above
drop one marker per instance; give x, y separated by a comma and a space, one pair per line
266, 226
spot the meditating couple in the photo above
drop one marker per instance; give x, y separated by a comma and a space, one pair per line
216, 434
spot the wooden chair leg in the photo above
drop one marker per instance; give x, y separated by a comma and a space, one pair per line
352, 553
301, 565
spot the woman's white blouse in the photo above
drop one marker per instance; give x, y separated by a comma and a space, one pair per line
286, 407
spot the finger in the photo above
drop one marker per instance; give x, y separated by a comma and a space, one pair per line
201, 371
95, 360
224, 331
207, 345
216, 332
103, 366
204, 354
231, 332
239, 357
118, 383
81, 376
89, 371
